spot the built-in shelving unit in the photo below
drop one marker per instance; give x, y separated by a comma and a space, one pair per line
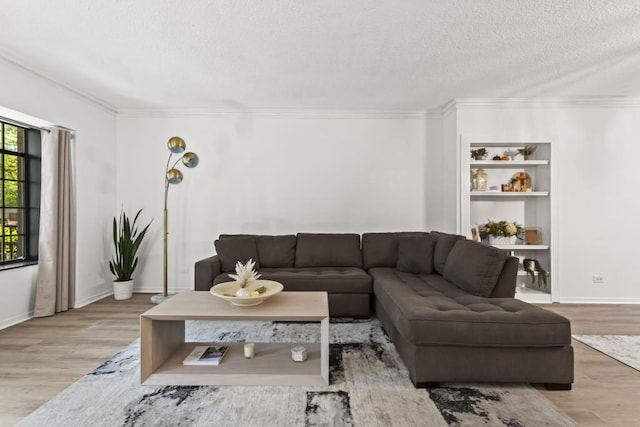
531, 208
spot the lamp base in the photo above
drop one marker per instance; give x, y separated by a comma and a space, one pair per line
158, 298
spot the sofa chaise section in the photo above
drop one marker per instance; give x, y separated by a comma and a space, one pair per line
445, 333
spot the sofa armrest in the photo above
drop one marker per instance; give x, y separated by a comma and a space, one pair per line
206, 270
506, 286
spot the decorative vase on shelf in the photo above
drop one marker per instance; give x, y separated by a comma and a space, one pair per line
479, 182
502, 240
527, 152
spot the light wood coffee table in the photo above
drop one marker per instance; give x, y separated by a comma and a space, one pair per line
163, 346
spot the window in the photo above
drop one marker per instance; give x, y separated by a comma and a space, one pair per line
19, 194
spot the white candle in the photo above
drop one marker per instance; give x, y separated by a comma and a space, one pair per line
249, 350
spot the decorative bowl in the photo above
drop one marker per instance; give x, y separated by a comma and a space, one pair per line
228, 289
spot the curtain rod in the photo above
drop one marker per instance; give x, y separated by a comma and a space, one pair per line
24, 125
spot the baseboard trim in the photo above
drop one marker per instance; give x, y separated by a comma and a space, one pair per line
92, 298
16, 319
148, 290
582, 300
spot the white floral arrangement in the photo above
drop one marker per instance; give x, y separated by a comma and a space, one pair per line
501, 229
245, 274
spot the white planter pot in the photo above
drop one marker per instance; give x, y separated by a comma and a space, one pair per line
502, 240
123, 290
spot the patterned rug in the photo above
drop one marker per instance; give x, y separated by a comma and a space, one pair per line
369, 386
623, 348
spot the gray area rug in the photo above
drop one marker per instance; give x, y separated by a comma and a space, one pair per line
369, 387
623, 348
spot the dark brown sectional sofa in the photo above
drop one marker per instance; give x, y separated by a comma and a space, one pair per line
446, 302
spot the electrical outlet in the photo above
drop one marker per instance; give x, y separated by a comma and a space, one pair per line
598, 279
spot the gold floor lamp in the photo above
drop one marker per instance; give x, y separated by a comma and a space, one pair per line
172, 176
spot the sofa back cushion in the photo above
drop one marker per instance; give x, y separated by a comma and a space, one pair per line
381, 249
230, 250
415, 254
474, 267
444, 244
276, 251
328, 250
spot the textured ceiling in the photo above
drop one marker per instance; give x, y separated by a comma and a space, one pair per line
325, 54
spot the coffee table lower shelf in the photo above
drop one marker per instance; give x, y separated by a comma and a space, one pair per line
272, 365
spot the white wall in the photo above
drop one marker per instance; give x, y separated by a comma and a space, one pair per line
95, 154
268, 175
597, 185
441, 174
327, 174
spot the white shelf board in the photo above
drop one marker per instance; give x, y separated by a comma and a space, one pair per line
272, 365
476, 143
522, 247
524, 273
508, 163
532, 295
509, 193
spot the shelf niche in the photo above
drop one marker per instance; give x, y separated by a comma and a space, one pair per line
530, 209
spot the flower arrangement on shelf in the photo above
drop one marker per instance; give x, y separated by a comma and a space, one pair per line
479, 153
501, 232
527, 151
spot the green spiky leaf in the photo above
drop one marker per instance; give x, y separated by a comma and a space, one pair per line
126, 242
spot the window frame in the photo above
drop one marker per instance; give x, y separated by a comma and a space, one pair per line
31, 179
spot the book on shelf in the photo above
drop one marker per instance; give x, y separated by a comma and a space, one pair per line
206, 355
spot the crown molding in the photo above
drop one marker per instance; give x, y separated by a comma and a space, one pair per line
273, 113
567, 102
80, 94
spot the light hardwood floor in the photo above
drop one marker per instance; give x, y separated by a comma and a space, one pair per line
41, 357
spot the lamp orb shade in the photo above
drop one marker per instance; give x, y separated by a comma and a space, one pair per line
174, 176
190, 159
176, 144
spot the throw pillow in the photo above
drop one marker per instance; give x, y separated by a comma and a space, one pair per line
474, 267
444, 244
415, 254
232, 250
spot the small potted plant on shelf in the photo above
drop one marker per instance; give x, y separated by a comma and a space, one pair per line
479, 153
501, 232
527, 151
126, 242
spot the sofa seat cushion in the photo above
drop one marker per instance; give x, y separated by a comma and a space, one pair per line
328, 279
428, 310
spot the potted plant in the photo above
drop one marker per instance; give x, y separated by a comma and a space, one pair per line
479, 153
501, 232
527, 151
126, 241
